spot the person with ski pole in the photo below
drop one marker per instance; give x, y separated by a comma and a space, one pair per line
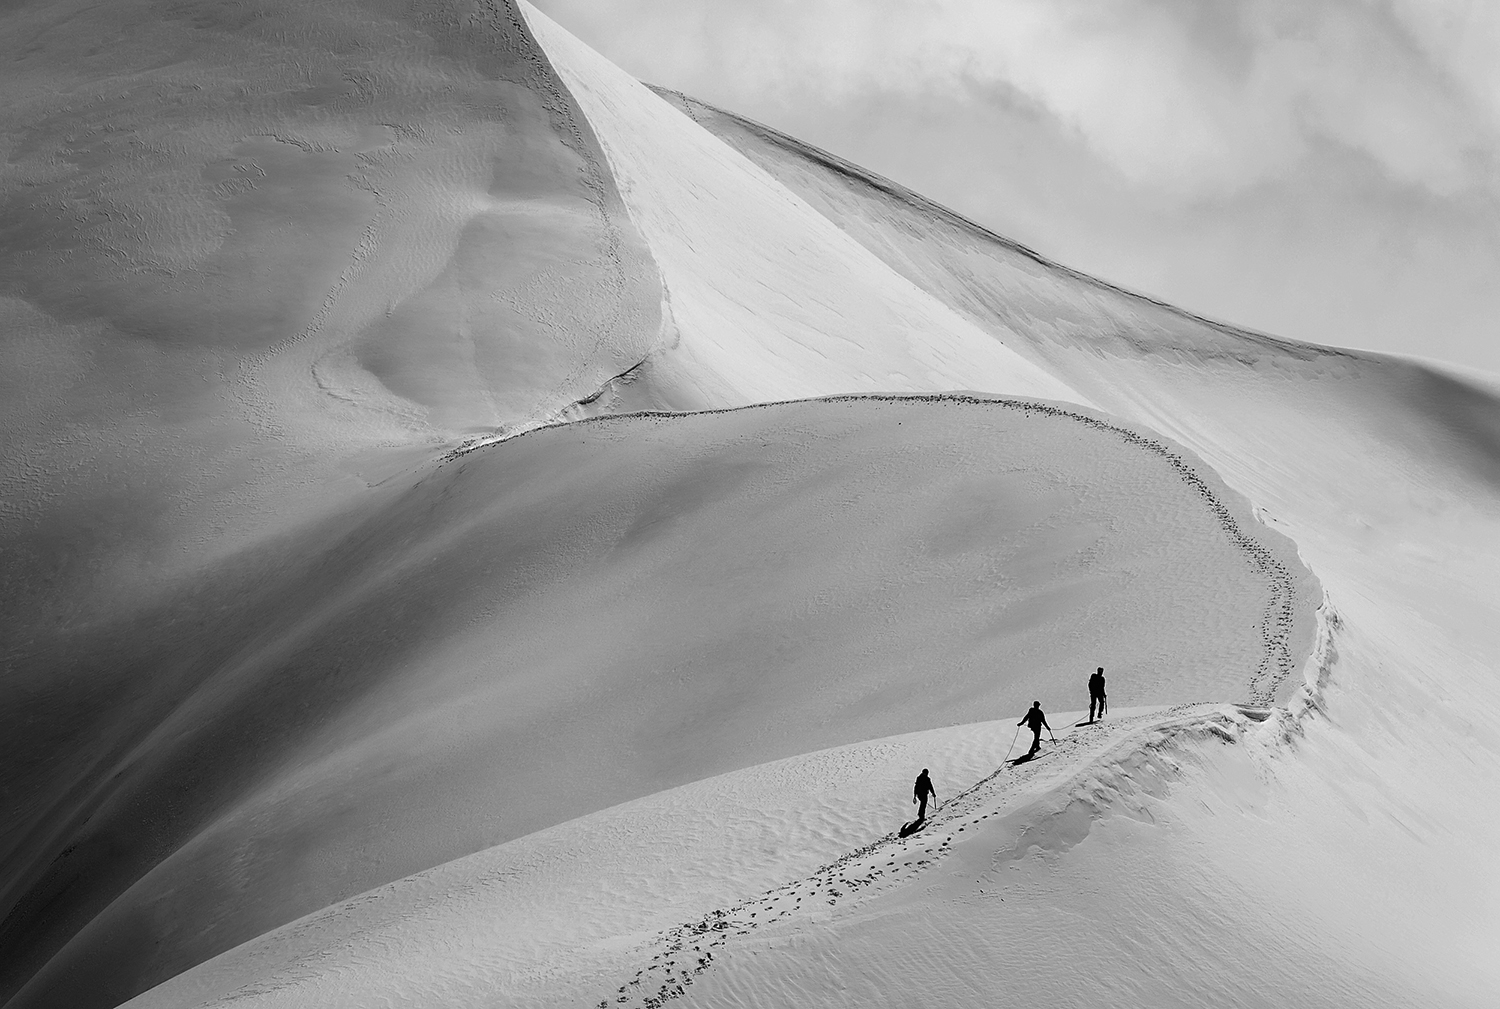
920, 792
1035, 720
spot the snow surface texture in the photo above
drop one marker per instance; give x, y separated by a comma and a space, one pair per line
1371, 849
594, 612
278, 632
769, 299
249, 251
568, 912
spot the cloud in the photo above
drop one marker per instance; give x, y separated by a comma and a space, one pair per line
1200, 98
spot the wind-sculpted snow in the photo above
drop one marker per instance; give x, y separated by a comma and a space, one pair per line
1001, 285
291, 612
1386, 472
255, 259
686, 951
1280, 656
597, 611
768, 299
1096, 771
251, 252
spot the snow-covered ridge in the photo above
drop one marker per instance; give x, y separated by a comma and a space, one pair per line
769, 299
1385, 473
618, 606
754, 856
556, 917
273, 638
1280, 656
837, 188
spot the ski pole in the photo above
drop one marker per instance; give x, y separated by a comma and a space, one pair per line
1049, 732
1013, 742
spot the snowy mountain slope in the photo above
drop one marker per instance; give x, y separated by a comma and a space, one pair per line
1348, 865
1327, 872
1385, 472
768, 299
254, 259
999, 284
259, 261
265, 649
249, 252
1125, 350
1354, 868
594, 612
1321, 859
561, 916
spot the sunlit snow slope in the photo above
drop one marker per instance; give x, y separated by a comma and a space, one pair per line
257, 261
1387, 474
284, 624
769, 300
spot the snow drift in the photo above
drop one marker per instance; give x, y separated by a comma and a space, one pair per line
293, 616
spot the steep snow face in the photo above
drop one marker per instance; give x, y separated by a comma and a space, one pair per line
1000, 286
249, 252
268, 308
768, 298
595, 612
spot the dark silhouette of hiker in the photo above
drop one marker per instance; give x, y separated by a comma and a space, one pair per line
1096, 693
1035, 721
920, 793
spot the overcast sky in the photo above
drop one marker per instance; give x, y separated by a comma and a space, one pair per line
1321, 169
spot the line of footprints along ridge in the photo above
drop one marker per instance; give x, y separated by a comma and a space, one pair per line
685, 951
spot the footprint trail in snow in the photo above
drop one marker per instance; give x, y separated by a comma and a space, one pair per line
681, 954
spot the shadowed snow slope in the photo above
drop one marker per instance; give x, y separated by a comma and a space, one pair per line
277, 633
257, 260
595, 612
249, 251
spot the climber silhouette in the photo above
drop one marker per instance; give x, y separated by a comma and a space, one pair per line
1035, 721
1096, 694
920, 792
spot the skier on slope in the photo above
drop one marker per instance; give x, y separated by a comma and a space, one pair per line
920, 792
1035, 720
1096, 694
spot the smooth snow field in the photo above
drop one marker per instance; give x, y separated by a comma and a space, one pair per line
478, 531
595, 612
